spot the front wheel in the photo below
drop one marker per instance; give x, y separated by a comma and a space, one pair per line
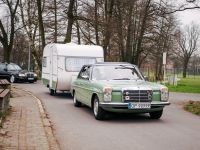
156, 114
98, 112
76, 103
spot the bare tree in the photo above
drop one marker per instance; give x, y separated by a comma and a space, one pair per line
29, 20
188, 44
7, 37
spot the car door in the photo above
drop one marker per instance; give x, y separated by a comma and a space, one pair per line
84, 85
4, 74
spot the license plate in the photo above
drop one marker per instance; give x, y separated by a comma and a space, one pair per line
30, 78
139, 105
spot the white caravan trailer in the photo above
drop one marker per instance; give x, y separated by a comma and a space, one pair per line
62, 62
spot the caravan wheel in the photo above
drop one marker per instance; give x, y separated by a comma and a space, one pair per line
52, 91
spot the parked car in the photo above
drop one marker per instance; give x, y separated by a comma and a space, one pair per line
118, 87
13, 73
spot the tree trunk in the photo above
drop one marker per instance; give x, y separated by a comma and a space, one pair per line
55, 20
141, 34
41, 24
70, 21
120, 31
108, 15
96, 22
7, 53
129, 36
185, 66
78, 32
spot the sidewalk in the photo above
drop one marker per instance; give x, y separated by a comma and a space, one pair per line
26, 127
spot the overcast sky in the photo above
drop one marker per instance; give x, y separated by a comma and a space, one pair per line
187, 16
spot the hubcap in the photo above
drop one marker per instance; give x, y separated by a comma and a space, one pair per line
96, 107
12, 78
74, 99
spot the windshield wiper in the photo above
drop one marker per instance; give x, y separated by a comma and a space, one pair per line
124, 67
122, 79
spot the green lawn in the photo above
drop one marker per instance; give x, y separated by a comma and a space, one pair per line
193, 107
187, 85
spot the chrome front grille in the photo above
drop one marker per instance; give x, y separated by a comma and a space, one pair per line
30, 75
137, 95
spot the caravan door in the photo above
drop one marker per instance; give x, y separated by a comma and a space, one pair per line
53, 69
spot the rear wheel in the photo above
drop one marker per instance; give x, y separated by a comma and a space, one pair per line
51, 91
98, 112
156, 114
76, 103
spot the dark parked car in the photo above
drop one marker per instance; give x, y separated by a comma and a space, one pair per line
13, 73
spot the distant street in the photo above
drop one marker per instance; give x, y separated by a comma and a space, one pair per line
77, 129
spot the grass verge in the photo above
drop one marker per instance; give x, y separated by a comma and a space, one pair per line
186, 85
193, 107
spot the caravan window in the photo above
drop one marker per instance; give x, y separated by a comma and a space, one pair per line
75, 63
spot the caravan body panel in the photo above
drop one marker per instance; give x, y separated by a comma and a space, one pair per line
62, 62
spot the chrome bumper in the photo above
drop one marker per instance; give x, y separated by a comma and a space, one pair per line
116, 105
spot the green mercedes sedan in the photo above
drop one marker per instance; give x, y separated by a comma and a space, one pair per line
120, 88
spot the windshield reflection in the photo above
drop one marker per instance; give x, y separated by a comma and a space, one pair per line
13, 67
116, 72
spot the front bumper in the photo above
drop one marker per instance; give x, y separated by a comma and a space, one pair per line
26, 79
125, 105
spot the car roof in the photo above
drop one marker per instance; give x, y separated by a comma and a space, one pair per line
110, 63
8, 63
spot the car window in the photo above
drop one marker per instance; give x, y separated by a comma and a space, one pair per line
13, 67
116, 72
2, 66
84, 73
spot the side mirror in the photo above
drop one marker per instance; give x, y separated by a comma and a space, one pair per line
146, 78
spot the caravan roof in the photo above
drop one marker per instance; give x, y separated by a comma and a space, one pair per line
77, 50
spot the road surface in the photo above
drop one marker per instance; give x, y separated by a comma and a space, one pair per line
76, 128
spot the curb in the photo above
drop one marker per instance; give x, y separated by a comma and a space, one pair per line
53, 143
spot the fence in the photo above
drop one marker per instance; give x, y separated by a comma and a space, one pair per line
173, 73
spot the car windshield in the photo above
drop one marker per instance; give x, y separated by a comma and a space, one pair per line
116, 72
12, 67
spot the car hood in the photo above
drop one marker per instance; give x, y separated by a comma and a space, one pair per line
130, 84
19, 71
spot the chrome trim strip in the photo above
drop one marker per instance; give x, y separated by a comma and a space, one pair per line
103, 104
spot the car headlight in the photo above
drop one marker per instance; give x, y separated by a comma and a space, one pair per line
21, 75
35, 75
164, 94
107, 91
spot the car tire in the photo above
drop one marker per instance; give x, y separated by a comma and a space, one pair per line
76, 103
12, 79
156, 114
98, 112
52, 91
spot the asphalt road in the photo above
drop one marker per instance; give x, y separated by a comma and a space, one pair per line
76, 128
